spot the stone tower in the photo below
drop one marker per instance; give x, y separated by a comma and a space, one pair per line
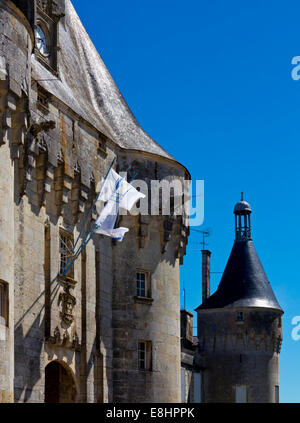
239, 327
110, 330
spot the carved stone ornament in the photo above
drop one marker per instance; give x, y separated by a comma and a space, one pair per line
56, 335
42, 144
44, 126
66, 339
51, 7
68, 302
75, 341
44, 5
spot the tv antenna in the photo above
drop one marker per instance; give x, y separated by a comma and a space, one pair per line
205, 234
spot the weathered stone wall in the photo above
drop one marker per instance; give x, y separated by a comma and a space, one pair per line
156, 321
152, 245
53, 202
239, 353
52, 160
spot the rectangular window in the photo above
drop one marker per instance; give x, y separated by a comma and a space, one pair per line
142, 284
4, 301
102, 143
241, 393
277, 394
239, 316
43, 99
65, 251
144, 355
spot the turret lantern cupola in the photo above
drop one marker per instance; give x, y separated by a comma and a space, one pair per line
242, 211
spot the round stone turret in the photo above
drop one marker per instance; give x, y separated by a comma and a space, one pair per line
239, 327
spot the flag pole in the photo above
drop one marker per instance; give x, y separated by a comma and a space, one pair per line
88, 237
91, 209
87, 217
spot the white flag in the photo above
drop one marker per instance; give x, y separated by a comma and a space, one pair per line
118, 193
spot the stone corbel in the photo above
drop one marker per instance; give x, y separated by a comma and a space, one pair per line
167, 232
30, 159
80, 193
181, 239
62, 184
8, 106
19, 126
67, 186
32, 146
44, 126
83, 198
49, 177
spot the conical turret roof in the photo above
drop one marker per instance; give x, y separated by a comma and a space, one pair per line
244, 282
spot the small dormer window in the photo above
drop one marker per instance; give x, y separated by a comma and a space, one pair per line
48, 15
102, 144
42, 41
43, 98
239, 316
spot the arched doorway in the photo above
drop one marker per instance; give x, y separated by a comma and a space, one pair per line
59, 384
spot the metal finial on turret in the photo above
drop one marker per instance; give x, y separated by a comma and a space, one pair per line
242, 196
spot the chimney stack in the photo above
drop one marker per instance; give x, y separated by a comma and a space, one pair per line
205, 274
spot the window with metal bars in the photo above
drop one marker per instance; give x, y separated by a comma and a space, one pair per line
65, 252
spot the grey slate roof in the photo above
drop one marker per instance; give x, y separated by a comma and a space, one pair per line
87, 87
244, 282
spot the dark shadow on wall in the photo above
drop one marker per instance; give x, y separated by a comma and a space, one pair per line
28, 350
28, 7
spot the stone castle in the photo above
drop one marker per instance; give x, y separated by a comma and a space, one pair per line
110, 330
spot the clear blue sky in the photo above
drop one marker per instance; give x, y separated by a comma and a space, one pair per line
211, 82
